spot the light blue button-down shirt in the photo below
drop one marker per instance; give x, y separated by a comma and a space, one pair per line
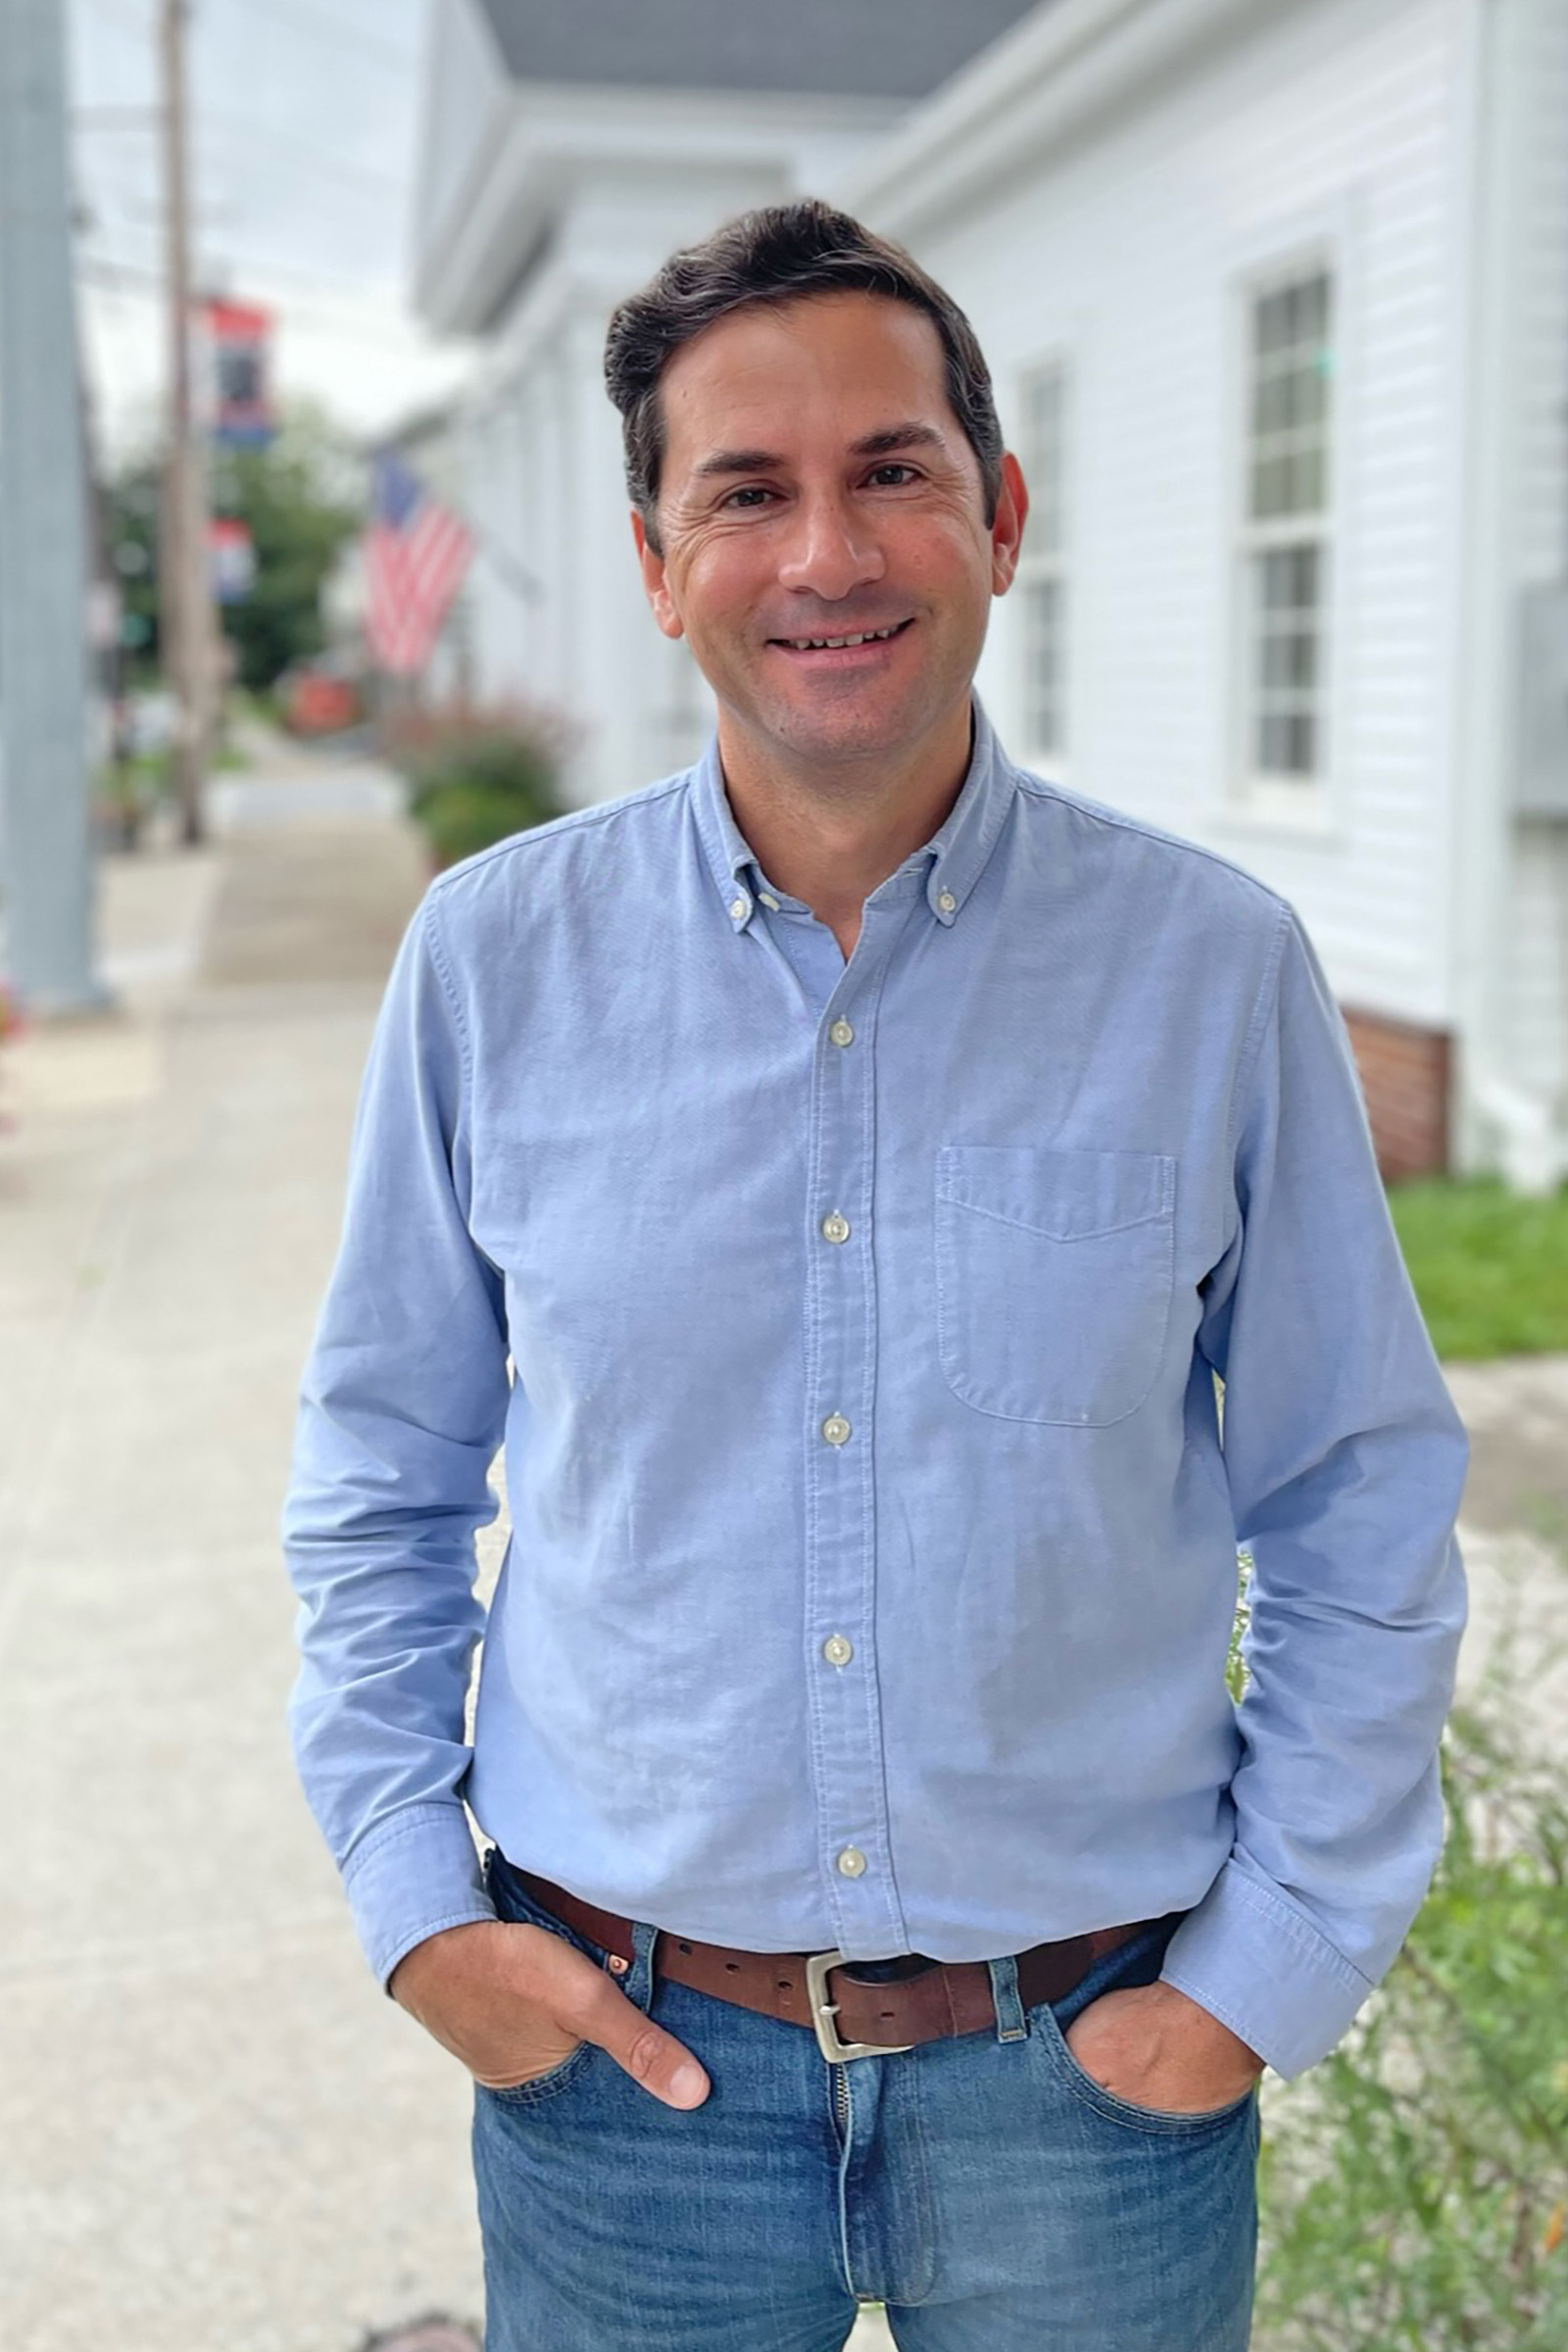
851, 1328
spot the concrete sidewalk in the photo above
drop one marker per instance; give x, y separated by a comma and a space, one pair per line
214, 2131
215, 2135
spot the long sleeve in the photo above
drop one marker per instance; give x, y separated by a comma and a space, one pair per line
402, 1407
1345, 1461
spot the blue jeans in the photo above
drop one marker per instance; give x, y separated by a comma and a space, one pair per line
992, 2194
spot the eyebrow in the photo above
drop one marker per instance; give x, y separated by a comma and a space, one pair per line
911, 436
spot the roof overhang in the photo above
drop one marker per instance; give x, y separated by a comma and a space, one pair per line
537, 146
1032, 89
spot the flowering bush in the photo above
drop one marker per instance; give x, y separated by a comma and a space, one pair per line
477, 772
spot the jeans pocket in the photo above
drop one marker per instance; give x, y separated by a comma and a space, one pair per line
515, 1904
1046, 2029
1054, 1273
539, 2087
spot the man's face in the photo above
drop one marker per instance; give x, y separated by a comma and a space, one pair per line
817, 484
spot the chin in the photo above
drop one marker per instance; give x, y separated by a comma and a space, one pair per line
847, 731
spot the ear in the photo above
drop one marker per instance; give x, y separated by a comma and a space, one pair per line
655, 585
1007, 526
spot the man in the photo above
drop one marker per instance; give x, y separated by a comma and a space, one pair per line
868, 1155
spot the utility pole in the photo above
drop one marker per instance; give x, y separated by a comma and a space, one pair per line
185, 609
45, 831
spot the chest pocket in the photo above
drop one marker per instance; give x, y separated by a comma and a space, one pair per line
1053, 1279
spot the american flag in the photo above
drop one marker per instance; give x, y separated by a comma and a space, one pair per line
416, 554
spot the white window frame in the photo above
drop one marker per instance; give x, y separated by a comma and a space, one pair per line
1301, 801
1045, 562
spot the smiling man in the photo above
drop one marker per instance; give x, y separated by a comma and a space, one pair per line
843, 1175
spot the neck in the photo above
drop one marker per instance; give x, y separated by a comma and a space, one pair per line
828, 833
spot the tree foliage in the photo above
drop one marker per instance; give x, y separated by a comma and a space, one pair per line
300, 501
301, 498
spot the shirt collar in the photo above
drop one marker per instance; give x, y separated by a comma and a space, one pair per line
954, 856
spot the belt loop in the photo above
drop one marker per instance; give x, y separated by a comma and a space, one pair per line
638, 1982
1011, 2024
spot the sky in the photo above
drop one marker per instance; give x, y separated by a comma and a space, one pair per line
303, 130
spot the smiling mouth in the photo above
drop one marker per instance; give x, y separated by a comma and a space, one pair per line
819, 644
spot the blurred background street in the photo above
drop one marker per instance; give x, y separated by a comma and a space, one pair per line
215, 2130
315, 576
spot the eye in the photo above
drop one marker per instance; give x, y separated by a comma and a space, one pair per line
749, 495
892, 476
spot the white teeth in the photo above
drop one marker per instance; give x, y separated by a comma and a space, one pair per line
816, 645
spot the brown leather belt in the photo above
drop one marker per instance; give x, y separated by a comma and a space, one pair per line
852, 2017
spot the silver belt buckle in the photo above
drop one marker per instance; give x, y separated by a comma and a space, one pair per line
825, 2010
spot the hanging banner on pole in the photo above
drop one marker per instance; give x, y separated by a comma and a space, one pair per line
231, 559
237, 351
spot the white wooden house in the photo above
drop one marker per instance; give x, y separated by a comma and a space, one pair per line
1275, 293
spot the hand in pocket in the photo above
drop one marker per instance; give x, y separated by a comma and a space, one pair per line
1155, 2047
513, 2002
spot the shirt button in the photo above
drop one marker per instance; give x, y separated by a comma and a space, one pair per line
850, 1862
835, 1429
947, 902
835, 1228
738, 908
768, 901
841, 1033
837, 1650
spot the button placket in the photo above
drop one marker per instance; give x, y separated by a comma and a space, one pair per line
843, 1699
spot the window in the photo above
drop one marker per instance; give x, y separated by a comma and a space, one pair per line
1285, 538
1041, 586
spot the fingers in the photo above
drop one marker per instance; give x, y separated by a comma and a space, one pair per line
510, 1999
664, 2066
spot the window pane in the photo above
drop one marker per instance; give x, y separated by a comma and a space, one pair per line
1277, 570
1271, 488
1043, 525
1042, 617
1044, 407
1272, 741
1309, 389
1042, 457
1300, 740
1272, 321
1287, 462
1271, 402
1306, 494
1285, 661
1312, 308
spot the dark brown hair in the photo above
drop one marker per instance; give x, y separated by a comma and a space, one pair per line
779, 254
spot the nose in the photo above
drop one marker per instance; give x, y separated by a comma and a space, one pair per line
831, 551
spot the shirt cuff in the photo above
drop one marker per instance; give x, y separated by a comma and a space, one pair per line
411, 1876
1261, 1966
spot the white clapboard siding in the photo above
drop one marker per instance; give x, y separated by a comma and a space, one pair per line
1536, 936
1124, 252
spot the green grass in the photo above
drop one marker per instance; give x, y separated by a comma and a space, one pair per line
1489, 1266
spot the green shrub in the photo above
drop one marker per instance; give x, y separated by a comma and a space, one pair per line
1414, 2187
476, 775
459, 819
